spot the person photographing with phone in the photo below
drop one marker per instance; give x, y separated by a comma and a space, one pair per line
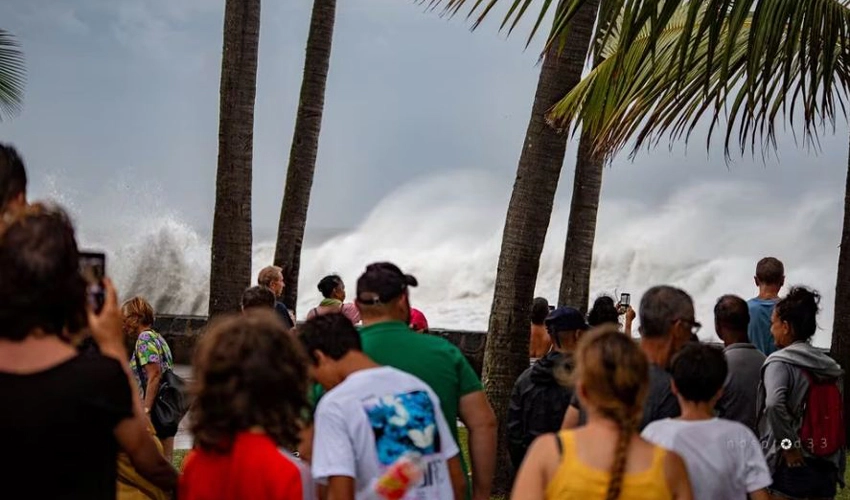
67, 414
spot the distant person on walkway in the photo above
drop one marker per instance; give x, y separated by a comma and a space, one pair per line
539, 344
271, 277
251, 393
738, 402
258, 297
666, 325
724, 458
66, 415
542, 393
382, 297
13, 180
606, 459
800, 400
151, 358
333, 290
769, 278
371, 416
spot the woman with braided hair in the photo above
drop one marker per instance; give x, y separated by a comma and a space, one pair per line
606, 459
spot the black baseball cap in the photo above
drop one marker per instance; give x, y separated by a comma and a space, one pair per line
382, 282
564, 319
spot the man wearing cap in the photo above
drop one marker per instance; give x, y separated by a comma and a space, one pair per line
384, 303
539, 399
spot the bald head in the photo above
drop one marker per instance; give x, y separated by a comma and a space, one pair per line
661, 307
731, 319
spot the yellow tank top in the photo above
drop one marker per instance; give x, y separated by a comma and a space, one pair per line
574, 479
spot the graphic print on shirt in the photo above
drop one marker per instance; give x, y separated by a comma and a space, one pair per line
405, 423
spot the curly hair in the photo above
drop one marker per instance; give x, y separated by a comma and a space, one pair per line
41, 287
615, 375
800, 310
249, 372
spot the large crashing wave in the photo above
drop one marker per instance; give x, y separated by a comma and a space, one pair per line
447, 231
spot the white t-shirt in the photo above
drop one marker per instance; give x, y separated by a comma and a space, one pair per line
724, 459
363, 425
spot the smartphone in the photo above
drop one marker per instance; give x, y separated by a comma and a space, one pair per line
93, 270
625, 299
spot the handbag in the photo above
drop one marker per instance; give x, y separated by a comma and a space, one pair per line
171, 402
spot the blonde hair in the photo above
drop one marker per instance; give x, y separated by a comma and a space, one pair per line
269, 274
137, 312
615, 376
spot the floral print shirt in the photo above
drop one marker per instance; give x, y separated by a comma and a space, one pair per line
151, 347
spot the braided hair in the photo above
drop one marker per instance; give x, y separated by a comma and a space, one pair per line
615, 375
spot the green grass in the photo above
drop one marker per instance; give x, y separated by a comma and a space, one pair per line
177, 458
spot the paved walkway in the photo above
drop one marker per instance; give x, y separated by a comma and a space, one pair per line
183, 440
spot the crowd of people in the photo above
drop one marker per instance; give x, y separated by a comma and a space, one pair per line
359, 402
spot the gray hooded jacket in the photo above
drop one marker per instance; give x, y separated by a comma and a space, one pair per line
782, 393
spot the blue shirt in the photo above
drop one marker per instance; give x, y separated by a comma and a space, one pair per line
759, 329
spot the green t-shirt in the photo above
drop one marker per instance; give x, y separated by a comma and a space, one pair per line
434, 360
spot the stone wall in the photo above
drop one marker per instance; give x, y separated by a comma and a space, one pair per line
183, 332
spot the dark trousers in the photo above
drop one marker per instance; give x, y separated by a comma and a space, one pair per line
817, 479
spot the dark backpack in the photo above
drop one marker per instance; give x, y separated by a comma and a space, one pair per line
822, 432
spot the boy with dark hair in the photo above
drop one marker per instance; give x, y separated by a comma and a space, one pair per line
724, 458
257, 297
371, 417
769, 278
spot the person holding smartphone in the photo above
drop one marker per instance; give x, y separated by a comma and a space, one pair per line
66, 414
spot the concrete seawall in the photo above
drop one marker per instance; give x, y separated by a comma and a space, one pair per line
183, 333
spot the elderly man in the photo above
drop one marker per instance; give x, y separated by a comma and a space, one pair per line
271, 277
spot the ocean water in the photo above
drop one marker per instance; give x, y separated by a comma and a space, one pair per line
704, 238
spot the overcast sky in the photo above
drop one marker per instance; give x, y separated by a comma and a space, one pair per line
126, 91
121, 115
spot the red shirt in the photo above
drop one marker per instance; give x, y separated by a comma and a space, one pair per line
254, 469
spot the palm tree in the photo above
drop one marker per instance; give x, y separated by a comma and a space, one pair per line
12, 75
230, 270
305, 146
526, 223
649, 102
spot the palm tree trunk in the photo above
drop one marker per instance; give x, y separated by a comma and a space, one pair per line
581, 230
305, 146
230, 271
840, 349
527, 221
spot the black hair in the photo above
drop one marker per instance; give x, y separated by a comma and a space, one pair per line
660, 307
539, 311
770, 271
332, 334
603, 311
328, 284
800, 310
699, 371
41, 285
258, 296
13, 175
733, 313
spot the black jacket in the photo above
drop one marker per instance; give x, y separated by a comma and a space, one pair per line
538, 403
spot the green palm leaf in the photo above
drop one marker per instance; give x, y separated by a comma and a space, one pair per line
12, 75
623, 98
796, 53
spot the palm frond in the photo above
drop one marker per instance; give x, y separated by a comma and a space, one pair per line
625, 99
804, 43
12, 75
